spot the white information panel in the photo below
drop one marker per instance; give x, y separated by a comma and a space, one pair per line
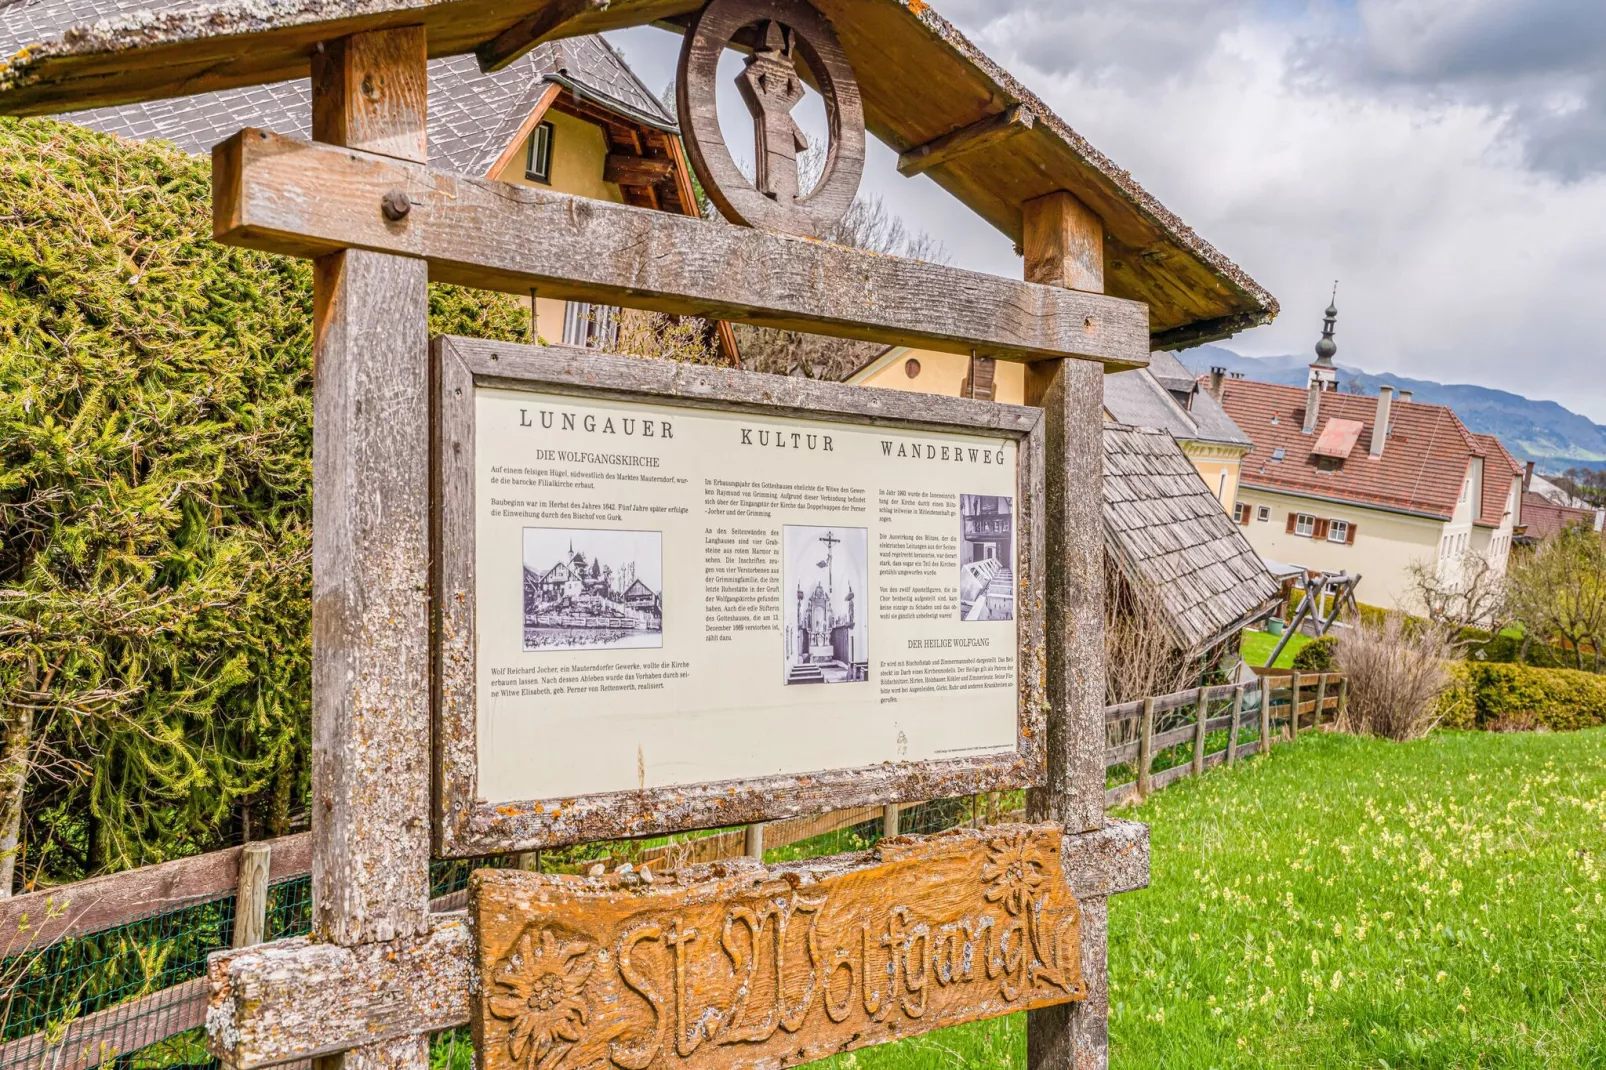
672, 596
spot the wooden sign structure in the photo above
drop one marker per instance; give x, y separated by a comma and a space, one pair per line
380, 973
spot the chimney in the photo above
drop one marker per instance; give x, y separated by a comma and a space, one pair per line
1380, 427
1218, 378
1313, 407
1406, 396
1528, 478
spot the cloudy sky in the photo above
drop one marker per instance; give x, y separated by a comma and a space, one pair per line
1445, 160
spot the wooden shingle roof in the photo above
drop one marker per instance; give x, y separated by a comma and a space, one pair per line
1167, 534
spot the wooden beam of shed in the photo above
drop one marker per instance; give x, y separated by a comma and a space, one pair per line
1016, 119
295, 999
303, 199
636, 170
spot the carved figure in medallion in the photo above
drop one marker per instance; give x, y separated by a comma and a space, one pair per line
540, 988
790, 40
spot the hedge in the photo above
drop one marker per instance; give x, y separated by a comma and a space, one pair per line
1487, 696
155, 503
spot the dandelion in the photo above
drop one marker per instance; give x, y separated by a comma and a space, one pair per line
1441, 977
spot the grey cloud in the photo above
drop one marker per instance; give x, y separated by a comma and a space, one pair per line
1540, 64
1117, 42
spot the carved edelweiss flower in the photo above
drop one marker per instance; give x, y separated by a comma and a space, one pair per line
1014, 869
540, 989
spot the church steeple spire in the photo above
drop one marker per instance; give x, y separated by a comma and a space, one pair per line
1323, 372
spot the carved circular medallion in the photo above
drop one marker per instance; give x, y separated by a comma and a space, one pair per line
784, 32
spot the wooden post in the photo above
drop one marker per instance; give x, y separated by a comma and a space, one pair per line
1064, 246
1343, 700
1266, 693
1321, 701
1293, 708
251, 895
1237, 715
370, 537
889, 820
1146, 750
755, 842
1200, 723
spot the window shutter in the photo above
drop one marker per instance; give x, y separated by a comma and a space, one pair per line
1321, 529
1243, 514
1293, 519
1350, 540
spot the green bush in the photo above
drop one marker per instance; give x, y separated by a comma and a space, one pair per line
155, 503
1498, 696
1319, 655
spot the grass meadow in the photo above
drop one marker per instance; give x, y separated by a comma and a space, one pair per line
1355, 903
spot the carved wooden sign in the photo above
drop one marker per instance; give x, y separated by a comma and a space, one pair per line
743, 965
784, 32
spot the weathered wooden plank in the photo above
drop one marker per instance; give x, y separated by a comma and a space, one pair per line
1064, 246
1232, 726
370, 528
1015, 119
1201, 724
788, 965
53, 914
105, 1035
636, 170
251, 896
287, 196
296, 999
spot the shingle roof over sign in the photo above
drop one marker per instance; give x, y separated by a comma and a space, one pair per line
472, 116
1168, 534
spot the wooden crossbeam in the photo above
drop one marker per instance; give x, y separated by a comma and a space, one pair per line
1016, 119
303, 199
636, 170
295, 999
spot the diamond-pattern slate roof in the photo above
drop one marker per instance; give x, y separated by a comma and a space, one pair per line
1167, 533
472, 116
1423, 468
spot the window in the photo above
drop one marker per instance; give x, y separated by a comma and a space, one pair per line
1466, 489
1338, 531
1304, 526
591, 326
1263, 514
538, 165
1240, 513
1221, 491
911, 368
1279, 454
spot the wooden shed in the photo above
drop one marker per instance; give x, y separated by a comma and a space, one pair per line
1165, 533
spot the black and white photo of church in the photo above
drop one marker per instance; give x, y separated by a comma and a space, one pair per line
593, 590
986, 557
825, 573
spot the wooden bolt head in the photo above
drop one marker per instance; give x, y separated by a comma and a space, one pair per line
790, 39
395, 205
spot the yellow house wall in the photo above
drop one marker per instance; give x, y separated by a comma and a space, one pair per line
945, 374
1212, 469
1386, 544
580, 149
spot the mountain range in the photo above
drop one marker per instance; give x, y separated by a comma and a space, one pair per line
1554, 437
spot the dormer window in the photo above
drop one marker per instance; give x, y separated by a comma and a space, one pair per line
538, 162
1279, 454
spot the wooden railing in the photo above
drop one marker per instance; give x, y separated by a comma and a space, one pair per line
39, 919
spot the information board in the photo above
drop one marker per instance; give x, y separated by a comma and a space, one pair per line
669, 595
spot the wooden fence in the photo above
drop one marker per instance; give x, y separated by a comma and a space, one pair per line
31, 922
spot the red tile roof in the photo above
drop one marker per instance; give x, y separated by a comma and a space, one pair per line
1544, 518
1423, 468
1500, 471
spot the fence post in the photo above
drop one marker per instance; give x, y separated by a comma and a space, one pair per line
1321, 702
1146, 748
251, 895
1266, 693
1343, 699
1201, 719
1293, 710
755, 842
1232, 733
889, 820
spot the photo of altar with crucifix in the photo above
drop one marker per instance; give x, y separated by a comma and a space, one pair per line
825, 574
